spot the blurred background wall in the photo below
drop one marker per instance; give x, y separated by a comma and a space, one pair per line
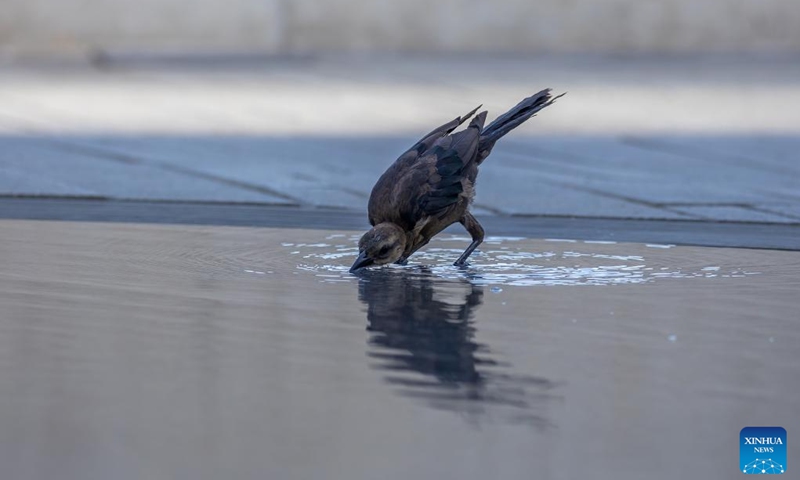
75, 27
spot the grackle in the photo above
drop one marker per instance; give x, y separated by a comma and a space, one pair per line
431, 186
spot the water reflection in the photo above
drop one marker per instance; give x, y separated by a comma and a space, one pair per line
423, 335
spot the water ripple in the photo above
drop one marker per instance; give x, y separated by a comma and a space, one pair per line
512, 261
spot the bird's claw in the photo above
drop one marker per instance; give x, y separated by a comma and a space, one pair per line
460, 263
402, 261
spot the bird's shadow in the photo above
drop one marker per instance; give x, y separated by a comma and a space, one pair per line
423, 337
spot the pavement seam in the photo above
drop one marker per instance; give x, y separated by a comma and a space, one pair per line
633, 200
772, 212
743, 206
695, 153
123, 158
228, 181
495, 211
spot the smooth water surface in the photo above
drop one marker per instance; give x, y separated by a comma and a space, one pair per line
132, 351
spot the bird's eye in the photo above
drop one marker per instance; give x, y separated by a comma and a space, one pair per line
384, 251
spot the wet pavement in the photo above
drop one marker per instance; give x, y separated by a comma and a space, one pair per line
153, 351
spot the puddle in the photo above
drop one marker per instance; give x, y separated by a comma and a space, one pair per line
511, 261
143, 351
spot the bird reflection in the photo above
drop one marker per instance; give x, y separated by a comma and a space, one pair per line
422, 334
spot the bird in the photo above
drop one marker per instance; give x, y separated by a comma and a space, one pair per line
431, 186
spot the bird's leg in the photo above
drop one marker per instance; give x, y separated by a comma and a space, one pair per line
476, 232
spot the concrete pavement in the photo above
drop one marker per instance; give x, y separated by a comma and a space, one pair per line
700, 138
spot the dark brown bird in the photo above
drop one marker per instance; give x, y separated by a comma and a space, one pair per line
431, 186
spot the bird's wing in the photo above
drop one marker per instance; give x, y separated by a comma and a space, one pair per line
426, 179
428, 187
428, 140
432, 184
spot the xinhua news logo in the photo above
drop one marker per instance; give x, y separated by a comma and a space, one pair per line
762, 450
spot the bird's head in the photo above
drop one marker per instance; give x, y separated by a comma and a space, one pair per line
384, 243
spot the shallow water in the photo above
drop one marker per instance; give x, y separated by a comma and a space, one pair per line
508, 261
131, 351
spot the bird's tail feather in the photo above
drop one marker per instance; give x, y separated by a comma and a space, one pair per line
514, 118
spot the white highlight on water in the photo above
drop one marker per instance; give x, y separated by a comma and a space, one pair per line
505, 263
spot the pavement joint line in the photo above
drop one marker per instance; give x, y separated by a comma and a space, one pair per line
107, 154
667, 206
695, 153
48, 196
228, 181
744, 206
115, 156
765, 210
705, 204
625, 198
488, 208
89, 150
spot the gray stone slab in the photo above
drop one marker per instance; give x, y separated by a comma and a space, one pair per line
649, 175
30, 166
736, 214
16, 181
788, 210
776, 153
522, 194
340, 172
313, 171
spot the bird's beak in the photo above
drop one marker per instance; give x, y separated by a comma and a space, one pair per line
362, 261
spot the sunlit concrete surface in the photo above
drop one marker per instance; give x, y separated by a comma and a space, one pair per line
698, 138
142, 351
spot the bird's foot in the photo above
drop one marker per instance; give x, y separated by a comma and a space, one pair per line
402, 261
461, 263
